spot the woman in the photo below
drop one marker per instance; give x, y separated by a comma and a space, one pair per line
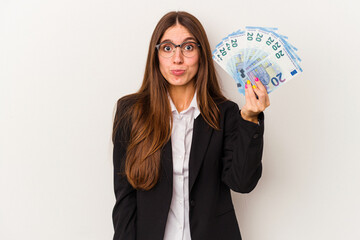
180, 145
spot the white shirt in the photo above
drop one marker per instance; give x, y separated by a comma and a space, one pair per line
177, 225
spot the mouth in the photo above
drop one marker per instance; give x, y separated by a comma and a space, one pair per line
177, 72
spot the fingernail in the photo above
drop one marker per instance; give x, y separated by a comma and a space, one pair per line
256, 79
246, 85
254, 86
248, 82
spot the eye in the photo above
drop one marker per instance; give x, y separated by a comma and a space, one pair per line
189, 47
166, 47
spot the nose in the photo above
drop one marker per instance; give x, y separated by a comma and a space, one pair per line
178, 57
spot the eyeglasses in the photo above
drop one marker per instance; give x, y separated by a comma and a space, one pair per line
167, 49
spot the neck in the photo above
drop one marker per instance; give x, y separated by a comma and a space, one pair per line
182, 96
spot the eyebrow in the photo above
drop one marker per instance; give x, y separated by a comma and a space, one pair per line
186, 39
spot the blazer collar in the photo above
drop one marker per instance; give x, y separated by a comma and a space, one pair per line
166, 162
201, 138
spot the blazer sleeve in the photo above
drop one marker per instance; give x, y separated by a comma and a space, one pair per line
124, 211
242, 153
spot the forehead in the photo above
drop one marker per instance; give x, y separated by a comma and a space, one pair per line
177, 34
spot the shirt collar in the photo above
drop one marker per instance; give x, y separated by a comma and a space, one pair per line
193, 104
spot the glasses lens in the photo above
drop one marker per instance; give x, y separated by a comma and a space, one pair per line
189, 49
166, 49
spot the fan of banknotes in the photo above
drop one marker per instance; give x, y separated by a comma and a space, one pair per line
258, 52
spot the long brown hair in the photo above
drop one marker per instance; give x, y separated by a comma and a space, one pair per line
150, 112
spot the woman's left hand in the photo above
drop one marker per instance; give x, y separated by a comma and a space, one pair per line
256, 101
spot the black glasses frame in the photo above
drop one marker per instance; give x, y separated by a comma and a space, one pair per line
157, 46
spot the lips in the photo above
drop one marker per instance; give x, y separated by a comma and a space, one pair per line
177, 72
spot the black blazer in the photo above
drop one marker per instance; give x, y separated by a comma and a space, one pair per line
220, 160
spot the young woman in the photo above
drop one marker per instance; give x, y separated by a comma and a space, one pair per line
180, 145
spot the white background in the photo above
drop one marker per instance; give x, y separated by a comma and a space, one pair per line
64, 64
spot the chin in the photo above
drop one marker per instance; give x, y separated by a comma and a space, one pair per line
179, 82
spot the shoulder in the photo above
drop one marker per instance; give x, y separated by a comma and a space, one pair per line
123, 115
230, 110
227, 106
126, 103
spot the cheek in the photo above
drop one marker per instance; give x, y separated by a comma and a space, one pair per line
195, 64
162, 67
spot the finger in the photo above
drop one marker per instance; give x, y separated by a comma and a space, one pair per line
263, 98
263, 90
261, 95
260, 85
247, 93
267, 99
259, 90
251, 93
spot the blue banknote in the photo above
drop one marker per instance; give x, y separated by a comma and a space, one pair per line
258, 52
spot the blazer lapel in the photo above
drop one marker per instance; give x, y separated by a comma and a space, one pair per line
167, 162
200, 141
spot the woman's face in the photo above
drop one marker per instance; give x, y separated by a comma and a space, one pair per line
179, 70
